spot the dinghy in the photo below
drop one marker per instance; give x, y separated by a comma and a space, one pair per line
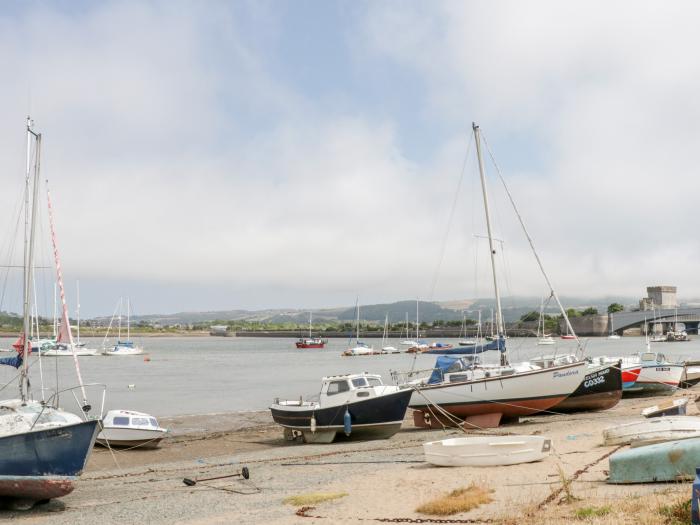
487, 451
675, 407
653, 430
670, 461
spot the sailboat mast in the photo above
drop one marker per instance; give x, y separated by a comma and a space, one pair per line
417, 334
357, 338
77, 286
128, 319
119, 329
499, 313
310, 314
29, 250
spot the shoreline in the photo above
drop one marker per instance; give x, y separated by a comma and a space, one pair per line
146, 485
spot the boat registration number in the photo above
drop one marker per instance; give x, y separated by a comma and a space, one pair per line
663, 369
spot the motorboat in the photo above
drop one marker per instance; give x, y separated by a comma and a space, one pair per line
126, 428
600, 388
466, 342
487, 451
123, 348
355, 406
657, 374
390, 350
691, 376
310, 342
546, 340
652, 430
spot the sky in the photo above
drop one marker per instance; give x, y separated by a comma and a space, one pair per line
246, 155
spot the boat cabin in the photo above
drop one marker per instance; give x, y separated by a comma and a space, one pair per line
347, 388
130, 419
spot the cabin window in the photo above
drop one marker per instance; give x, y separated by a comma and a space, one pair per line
336, 387
359, 382
121, 421
141, 421
153, 421
374, 381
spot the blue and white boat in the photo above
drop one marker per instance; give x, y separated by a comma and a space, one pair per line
43, 448
122, 348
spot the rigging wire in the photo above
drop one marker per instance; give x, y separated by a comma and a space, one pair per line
449, 223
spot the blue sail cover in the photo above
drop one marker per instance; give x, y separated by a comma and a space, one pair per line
12, 361
499, 344
442, 365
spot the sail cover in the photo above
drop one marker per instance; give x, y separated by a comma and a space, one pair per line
12, 361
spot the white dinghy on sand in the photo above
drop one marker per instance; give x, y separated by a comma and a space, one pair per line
487, 451
653, 430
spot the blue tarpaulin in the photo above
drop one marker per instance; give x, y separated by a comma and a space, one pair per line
499, 344
12, 361
442, 365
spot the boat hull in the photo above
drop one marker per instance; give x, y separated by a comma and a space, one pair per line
653, 431
466, 350
670, 461
600, 389
129, 437
663, 377
374, 418
514, 395
486, 451
44, 464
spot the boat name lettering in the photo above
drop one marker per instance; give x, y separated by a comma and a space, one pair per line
593, 382
663, 369
565, 374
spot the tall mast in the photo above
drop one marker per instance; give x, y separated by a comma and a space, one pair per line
499, 314
310, 314
357, 307
77, 287
28, 252
128, 319
119, 330
417, 334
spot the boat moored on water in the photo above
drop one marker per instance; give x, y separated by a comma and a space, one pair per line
123, 348
354, 406
66, 350
126, 428
310, 342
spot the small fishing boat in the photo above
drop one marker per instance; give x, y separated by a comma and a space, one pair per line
357, 406
600, 389
657, 374
675, 407
653, 430
691, 376
310, 342
487, 451
126, 428
669, 461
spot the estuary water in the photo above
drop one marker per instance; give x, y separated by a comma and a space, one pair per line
203, 375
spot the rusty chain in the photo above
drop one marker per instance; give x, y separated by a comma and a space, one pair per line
303, 512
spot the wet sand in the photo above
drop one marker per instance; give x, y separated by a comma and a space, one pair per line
384, 479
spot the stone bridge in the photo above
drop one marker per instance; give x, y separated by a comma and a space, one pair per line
689, 316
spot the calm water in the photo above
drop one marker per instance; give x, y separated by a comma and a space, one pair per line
205, 375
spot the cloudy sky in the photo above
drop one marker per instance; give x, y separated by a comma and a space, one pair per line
220, 155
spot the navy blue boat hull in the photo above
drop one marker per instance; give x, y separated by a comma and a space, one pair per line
44, 464
498, 344
373, 418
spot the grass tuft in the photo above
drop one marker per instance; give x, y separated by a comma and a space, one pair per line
460, 500
676, 514
313, 498
592, 512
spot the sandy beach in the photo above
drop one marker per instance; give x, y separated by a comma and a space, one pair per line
384, 480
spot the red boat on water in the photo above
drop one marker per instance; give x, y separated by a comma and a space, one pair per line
311, 342
568, 336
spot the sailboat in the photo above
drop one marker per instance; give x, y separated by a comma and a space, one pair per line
463, 340
43, 448
310, 342
126, 347
65, 346
408, 341
482, 395
360, 348
387, 348
542, 338
612, 335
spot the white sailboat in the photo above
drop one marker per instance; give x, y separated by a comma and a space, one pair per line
542, 338
127, 347
612, 335
387, 348
360, 348
465, 390
43, 448
408, 341
463, 340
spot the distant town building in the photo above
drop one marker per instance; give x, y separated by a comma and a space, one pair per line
660, 297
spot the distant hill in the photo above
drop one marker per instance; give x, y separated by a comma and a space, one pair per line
513, 309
